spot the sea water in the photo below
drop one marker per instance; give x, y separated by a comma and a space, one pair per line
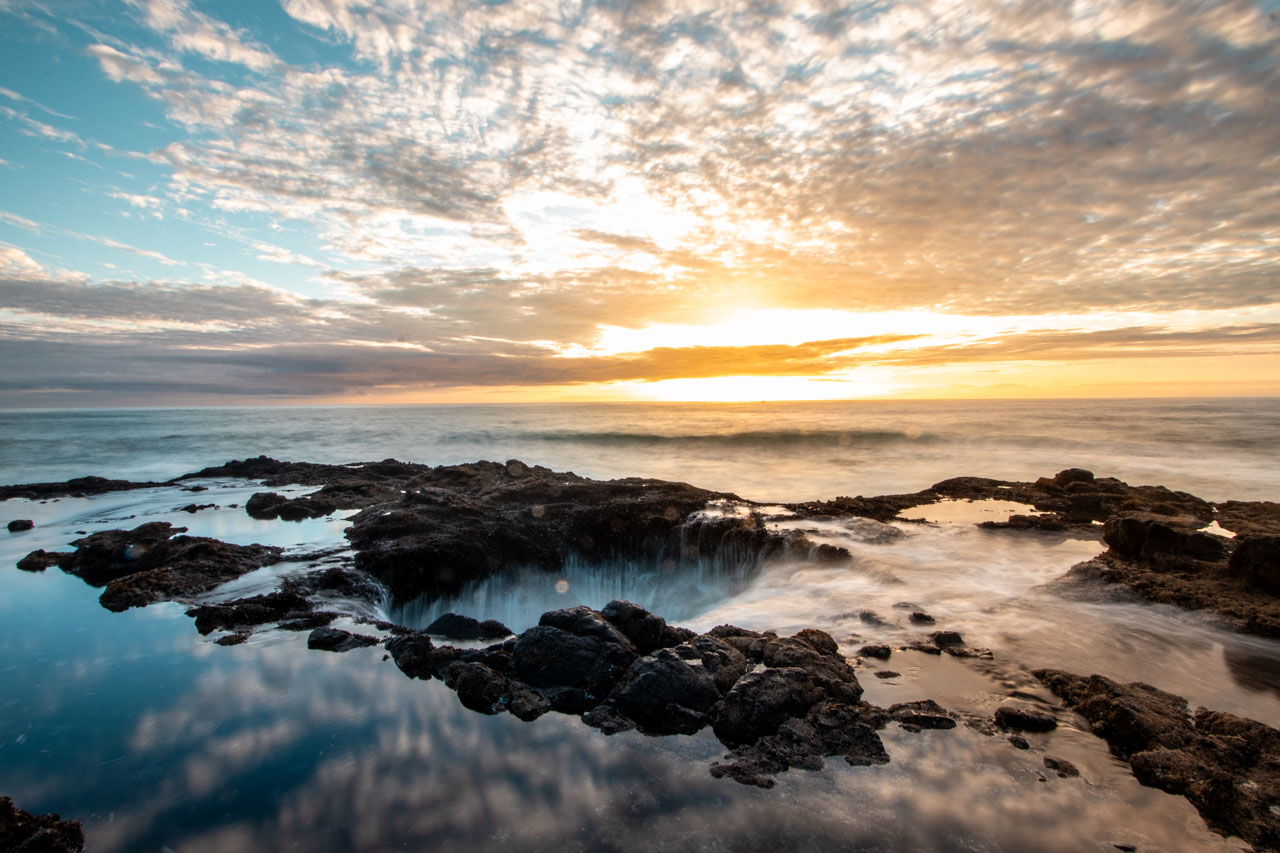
158, 739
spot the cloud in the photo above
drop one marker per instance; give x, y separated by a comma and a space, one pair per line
491, 185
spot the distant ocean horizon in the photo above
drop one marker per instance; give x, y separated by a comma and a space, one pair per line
1217, 448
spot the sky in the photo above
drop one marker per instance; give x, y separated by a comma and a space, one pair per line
332, 201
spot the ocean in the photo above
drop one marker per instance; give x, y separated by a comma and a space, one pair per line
1217, 449
160, 740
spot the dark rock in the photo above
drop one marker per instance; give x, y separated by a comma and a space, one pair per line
232, 639
1228, 767
1019, 742
1073, 475
664, 695
576, 650
1130, 718
887, 673
1144, 537
830, 671
721, 661
879, 651
194, 508
38, 561
247, 612
19, 524
418, 657
946, 639
267, 505
607, 719
821, 641
308, 621
1065, 769
478, 687
150, 563
23, 832
868, 617
921, 618
828, 728
1024, 719
647, 631
1257, 560
335, 640
921, 714
456, 627
76, 486
761, 701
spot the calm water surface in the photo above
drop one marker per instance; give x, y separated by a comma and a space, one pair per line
159, 739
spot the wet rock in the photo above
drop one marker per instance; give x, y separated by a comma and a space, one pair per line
1073, 475
78, 486
150, 563
573, 650
308, 621
828, 728
879, 651
607, 719
946, 639
647, 631
919, 617
456, 627
335, 640
1257, 560
194, 508
1048, 523
20, 524
1146, 537
763, 700
887, 673
38, 561
455, 524
1228, 767
664, 695
1019, 742
418, 657
1065, 769
23, 832
482, 688
233, 639
248, 612
921, 714
830, 671
268, 505
869, 617
721, 661
1023, 719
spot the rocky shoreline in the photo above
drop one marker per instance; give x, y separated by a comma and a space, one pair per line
774, 702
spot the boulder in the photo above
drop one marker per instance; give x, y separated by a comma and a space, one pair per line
665, 695
1023, 719
647, 631
456, 627
828, 669
1257, 559
1144, 537
763, 700
38, 561
576, 655
335, 640
721, 661
20, 524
